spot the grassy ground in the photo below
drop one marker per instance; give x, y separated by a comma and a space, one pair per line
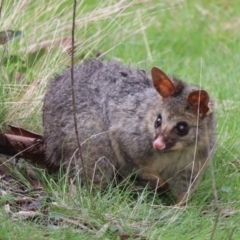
197, 41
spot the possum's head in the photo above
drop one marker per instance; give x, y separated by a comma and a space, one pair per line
183, 120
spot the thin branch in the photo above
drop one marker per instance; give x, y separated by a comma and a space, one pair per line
1, 6
73, 93
4, 48
231, 234
218, 208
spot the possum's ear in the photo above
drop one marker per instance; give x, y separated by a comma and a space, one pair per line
198, 101
162, 83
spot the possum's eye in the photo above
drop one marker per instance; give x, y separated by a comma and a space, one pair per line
158, 122
182, 128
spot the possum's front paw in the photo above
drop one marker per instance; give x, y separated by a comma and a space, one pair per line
182, 200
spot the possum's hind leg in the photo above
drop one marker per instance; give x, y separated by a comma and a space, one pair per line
97, 164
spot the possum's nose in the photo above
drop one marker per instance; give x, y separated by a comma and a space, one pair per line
159, 143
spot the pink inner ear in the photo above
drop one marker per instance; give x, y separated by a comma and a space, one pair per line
199, 101
162, 83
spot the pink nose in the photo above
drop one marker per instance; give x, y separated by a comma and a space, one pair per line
159, 143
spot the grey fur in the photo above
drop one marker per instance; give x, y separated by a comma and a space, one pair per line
116, 110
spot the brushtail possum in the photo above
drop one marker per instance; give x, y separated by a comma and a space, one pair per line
160, 129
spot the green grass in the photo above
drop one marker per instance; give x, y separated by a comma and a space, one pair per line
198, 41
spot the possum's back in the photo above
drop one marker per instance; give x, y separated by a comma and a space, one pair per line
101, 88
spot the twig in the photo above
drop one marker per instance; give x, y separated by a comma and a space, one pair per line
27, 191
231, 234
216, 202
73, 93
1, 8
4, 47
